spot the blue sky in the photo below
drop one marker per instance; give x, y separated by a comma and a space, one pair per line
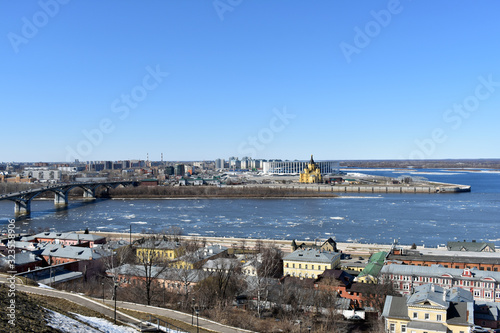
199, 80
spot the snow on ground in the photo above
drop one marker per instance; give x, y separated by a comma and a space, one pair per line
102, 325
67, 325
95, 325
41, 285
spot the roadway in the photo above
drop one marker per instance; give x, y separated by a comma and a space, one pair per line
107, 309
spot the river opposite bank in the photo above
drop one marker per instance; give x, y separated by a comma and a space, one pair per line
213, 192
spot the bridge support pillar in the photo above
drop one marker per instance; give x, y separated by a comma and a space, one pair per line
60, 199
88, 194
22, 208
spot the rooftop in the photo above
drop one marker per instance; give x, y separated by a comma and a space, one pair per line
438, 270
67, 236
312, 255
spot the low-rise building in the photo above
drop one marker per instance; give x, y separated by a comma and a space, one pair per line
471, 246
487, 261
430, 309
66, 238
157, 249
309, 263
487, 314
198, 258
328, 245
484, 285
221, 264
371, 271
170, 279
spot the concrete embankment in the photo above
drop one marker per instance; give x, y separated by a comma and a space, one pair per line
426, 188
252, 243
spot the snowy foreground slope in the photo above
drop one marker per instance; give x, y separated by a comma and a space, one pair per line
94, 325
86, 324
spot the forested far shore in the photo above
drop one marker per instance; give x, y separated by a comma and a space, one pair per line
210, 192
425, 164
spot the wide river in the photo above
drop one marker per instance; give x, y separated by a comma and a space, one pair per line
430, 219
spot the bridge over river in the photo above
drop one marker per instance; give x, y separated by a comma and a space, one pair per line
22, 200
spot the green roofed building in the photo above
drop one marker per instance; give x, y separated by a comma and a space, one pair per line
371, 271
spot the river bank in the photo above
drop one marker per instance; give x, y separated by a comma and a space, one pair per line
252, 243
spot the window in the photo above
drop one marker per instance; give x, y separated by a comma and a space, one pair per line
415, 314
403, 328
438, 317
300, 265
426, 316
293, 265
392, 328
306, 266
312, 266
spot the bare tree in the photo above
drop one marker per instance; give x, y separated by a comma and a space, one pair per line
112, 262
153, 261
269, 265
221, 286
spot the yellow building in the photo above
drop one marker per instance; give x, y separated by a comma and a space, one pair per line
196, 259
430, 309
309, 263
311, 174
158, 250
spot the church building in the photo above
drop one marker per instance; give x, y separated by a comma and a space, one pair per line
311, 174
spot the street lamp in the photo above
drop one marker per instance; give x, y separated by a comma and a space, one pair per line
192, 312
116, 286
102, 291
197, 324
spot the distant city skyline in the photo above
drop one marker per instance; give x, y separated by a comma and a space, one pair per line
199, 81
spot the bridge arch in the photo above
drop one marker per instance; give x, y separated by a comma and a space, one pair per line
22, 200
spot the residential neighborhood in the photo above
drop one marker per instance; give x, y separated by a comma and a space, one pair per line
398, 289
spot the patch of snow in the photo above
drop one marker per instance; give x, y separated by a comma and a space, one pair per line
41, 285
92, 324
102, 325
67, 325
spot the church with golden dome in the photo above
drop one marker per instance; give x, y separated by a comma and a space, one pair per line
311, 174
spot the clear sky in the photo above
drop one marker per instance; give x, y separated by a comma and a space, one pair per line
199, 80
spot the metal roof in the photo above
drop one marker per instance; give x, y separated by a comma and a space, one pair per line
436, 271
449, 256
312, 255
68, 236
72, 252
395, 307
